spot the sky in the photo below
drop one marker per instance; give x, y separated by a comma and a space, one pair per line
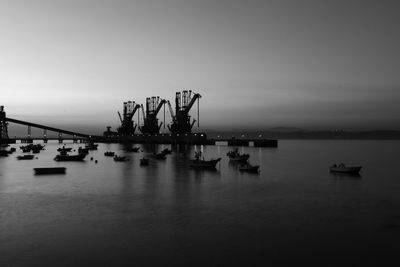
257, 64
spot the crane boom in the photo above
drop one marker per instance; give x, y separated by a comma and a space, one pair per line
144, 116
134, 111
171, 110
162, 102
120, 117
192, 101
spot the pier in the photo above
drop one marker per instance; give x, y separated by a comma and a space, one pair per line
180, 127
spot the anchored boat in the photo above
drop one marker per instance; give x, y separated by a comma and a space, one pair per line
67, 157
342, 168
25, 157
200, 162
234, 155
50, 170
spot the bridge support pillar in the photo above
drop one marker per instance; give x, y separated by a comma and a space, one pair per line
60, 140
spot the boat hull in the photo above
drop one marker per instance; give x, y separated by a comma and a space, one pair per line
253, 169
351, 170
79, 157
52, 170
204, 164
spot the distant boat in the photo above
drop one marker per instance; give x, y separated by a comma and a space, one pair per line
120, 158
144, 162
234, 155
26, 150
25, 157
78, 157
249, 168
166, 151
342, 168
49, 170
160, 155
91, 146
64, 149
82, 150
199, 162
109, 154
133, 149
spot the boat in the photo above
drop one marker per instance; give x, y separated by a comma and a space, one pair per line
160, 155
91, 146
234, 155
36, 150
249, 168
166, 151
25, 157
200, 162
144, 162
109, 154
342, 168
65, 149
133, 149
4, 153
26, 150
50, 170
82, 150
67, 157
120, 158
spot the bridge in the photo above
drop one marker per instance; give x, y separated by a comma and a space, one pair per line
4, 137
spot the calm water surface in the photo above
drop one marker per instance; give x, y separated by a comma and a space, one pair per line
115, 213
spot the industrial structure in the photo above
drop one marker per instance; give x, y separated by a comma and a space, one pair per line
180, 128
184, 101
128, 126
150, 121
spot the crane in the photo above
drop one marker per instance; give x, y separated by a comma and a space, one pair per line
181, 120
150, 121
127, 125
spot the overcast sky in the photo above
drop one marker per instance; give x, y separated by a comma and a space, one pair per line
257, 64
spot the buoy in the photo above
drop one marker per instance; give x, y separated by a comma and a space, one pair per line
91, 158
95, 161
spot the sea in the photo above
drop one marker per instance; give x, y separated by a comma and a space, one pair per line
294, 211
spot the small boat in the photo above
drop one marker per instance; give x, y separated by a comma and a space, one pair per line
199, 162
4, 153
36, 150
26, 150
109, 154
166, 151
234, 155
82, 150
67, 157
91, 146
249, 168
50, 170
133, 149
120, 158
342, 168
160, 155
144, 162
66, 149
25, 157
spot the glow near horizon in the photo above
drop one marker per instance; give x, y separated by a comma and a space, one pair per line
257, 64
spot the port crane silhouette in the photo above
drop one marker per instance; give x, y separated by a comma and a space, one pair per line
128, 126
150, 121
184, 101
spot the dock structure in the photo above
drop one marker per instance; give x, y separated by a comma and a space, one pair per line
180, 127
